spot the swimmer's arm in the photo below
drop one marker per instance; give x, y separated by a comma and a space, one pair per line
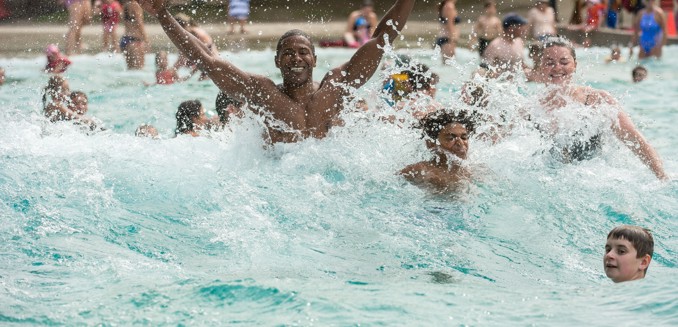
626, 132
365, 61
635, 141
223, 73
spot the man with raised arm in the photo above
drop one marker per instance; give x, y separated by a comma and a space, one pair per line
299, 107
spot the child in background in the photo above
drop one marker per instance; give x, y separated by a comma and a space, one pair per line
164, 75
56, 62
2, 76
628, 253
639, 74
110, 17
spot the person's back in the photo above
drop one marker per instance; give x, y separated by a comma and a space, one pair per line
628, 253
488, 27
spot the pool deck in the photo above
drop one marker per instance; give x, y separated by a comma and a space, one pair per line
25, 40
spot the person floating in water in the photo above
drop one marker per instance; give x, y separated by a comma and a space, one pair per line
450, 132
299, 107
58, 105
146, 130
639, 74
628, 253
191, 118
226, 108
360, 25
649, 31
56, 62
558, 65
164, 75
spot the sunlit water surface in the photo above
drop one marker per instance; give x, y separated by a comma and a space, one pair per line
110, 228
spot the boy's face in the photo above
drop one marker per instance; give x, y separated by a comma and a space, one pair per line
454, 138
620, 262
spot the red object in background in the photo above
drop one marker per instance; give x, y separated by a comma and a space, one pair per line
670, 23
4, 13
667, 5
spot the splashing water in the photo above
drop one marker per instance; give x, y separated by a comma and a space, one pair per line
222, 229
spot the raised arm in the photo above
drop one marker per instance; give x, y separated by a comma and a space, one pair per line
225, 75
635, 141
365, 61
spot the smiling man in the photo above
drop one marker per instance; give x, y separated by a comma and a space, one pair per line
299, 107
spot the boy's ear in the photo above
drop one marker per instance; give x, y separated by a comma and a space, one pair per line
645, 262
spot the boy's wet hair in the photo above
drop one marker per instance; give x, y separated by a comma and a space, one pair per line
294, 32
638, 69
434, 122
559, 41
640, 237
187, 110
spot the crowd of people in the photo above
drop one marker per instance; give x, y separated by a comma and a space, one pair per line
301, 108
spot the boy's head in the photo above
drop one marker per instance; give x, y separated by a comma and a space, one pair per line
615, 54
628, 253
639, 74
227, 106
450, 130
161, 60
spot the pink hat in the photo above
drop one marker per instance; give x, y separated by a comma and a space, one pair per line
52, 49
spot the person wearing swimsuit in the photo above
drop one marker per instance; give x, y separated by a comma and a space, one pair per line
79, 15
448, 36
360, 25
558, 66
487, 28
133, 43
649, 31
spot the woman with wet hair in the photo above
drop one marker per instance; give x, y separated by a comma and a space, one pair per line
565, 98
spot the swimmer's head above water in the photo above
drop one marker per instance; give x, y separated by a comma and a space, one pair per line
295, 57
450, 130
558, 61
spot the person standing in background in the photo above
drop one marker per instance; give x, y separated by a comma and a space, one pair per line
238, 11
541, 20
111, 10
79, 15
487, 28
448, 18
360, 25
133, 44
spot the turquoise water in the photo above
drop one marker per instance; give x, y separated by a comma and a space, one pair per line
117, 230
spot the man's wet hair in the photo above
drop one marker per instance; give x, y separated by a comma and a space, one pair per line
186, 112
294, 32
434, 122
559, 41
640, 237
